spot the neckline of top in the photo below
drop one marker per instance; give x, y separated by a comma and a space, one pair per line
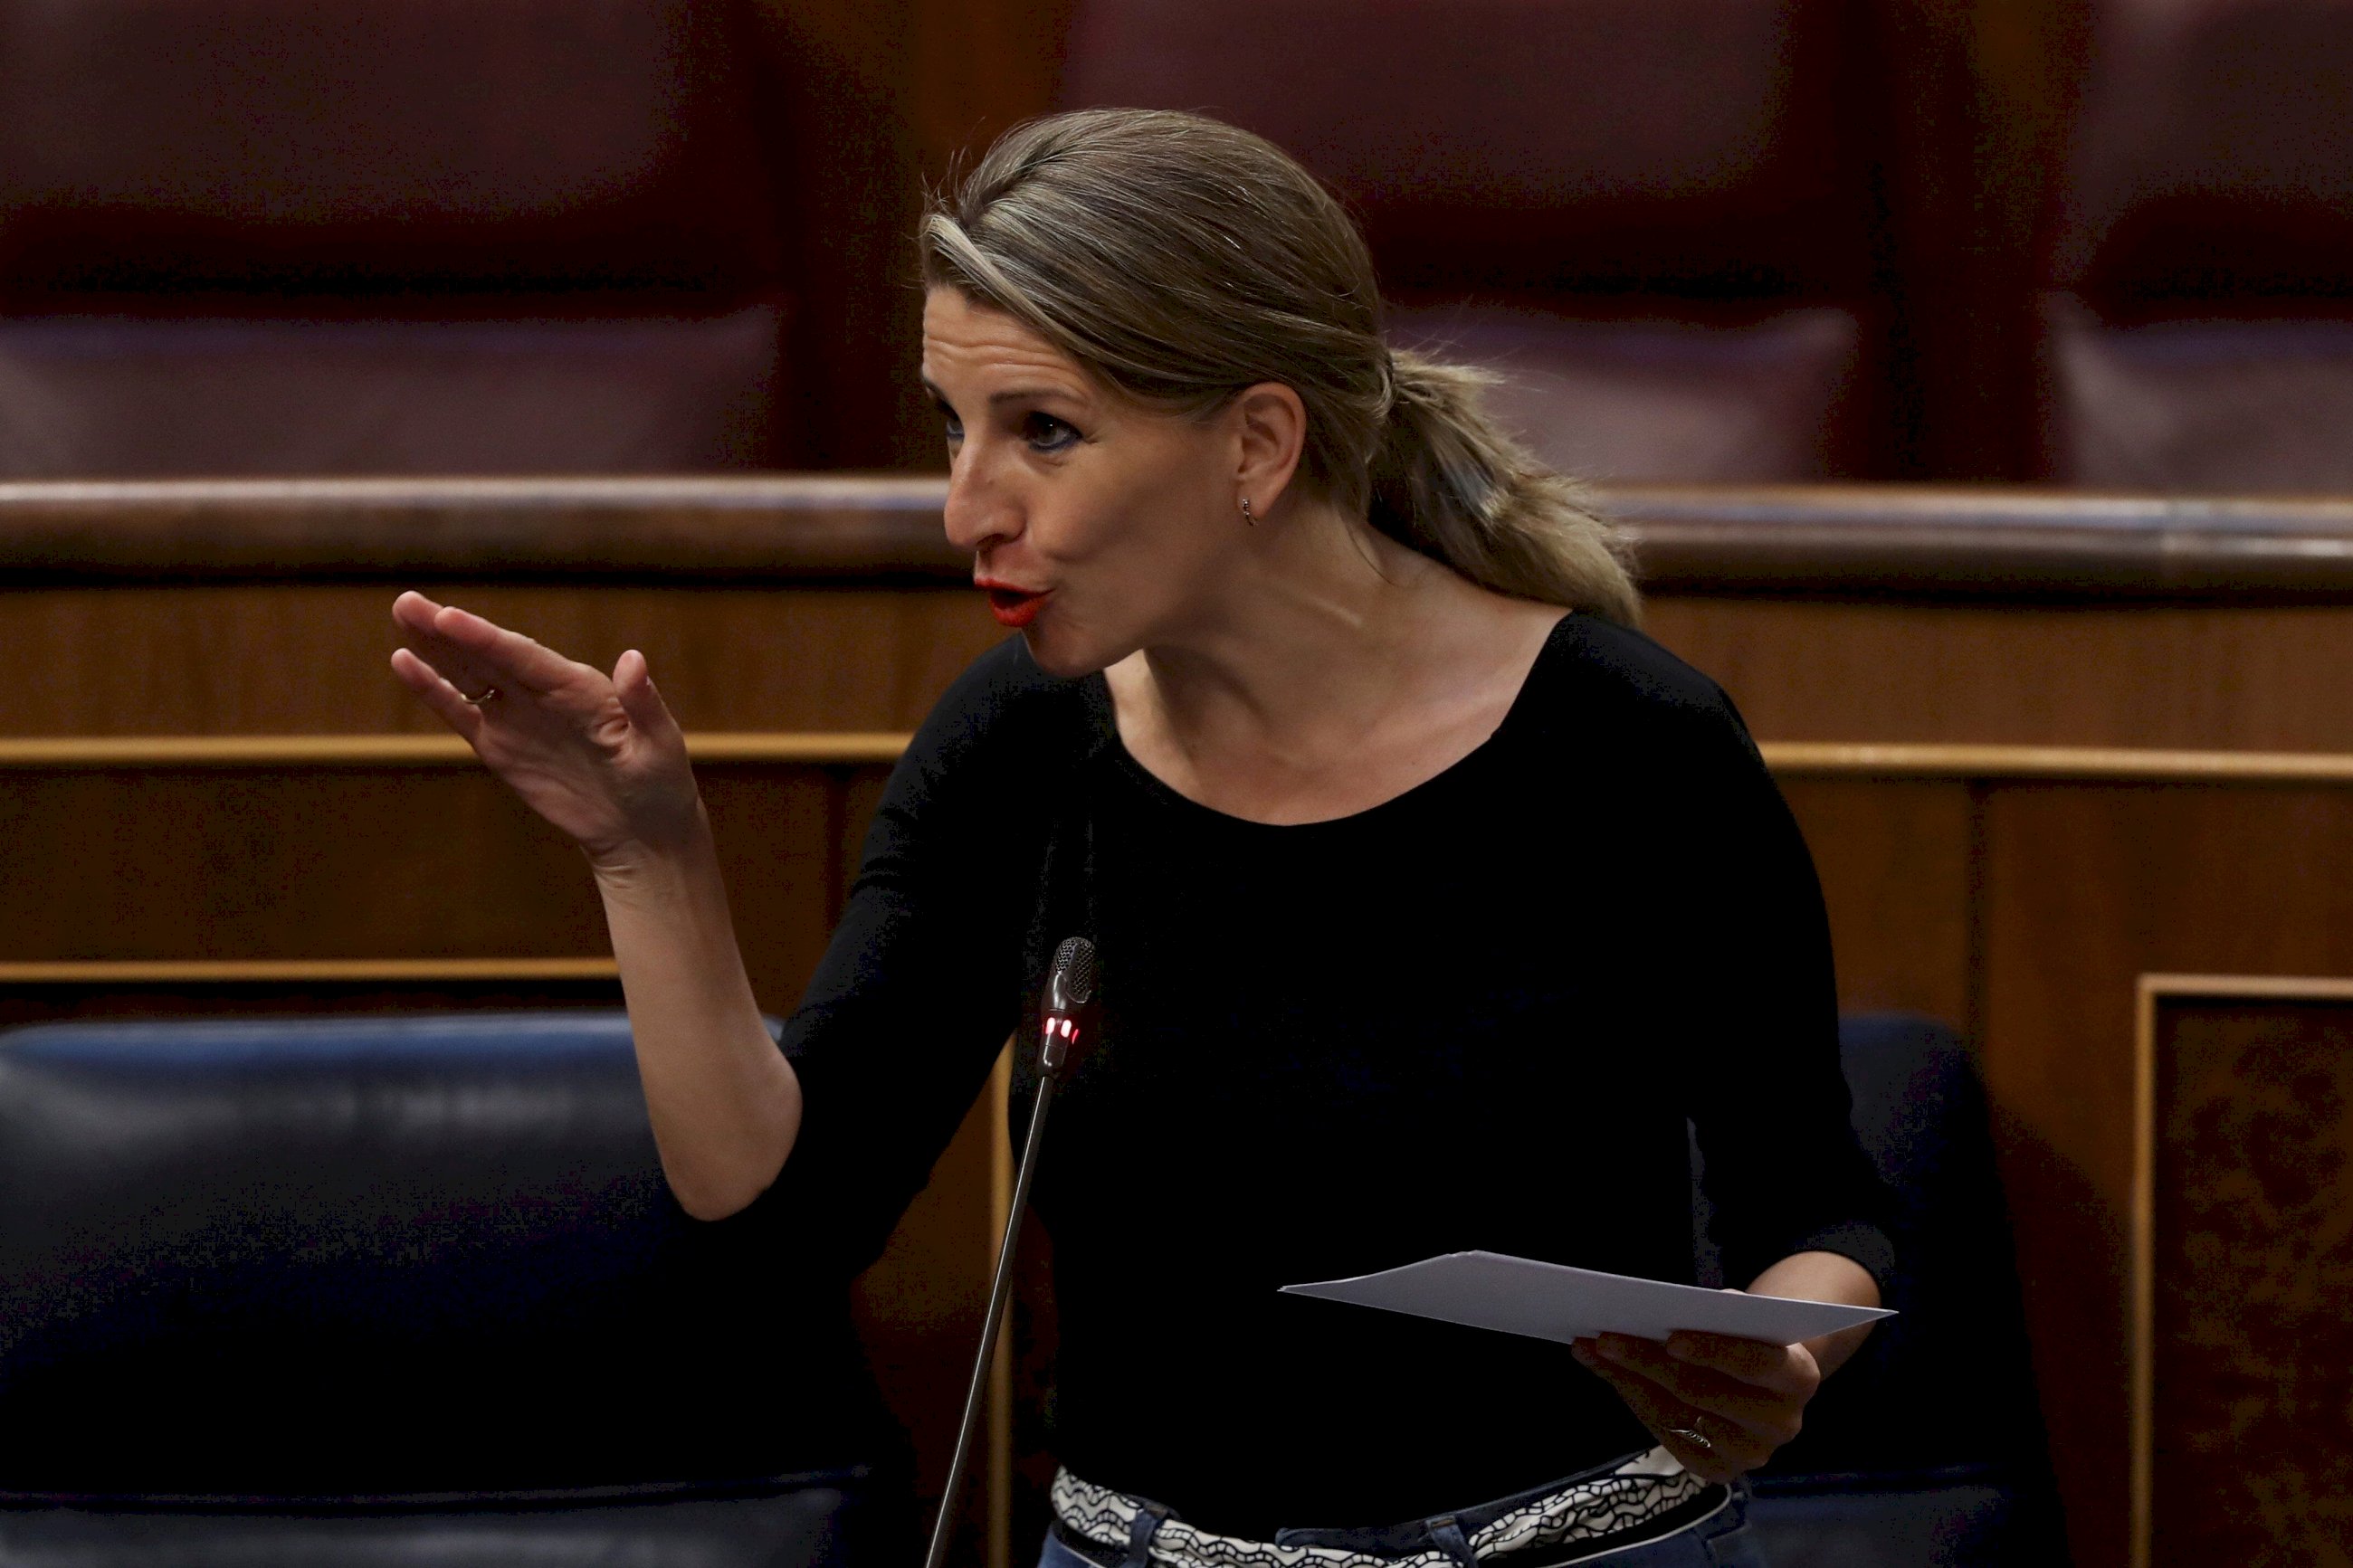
1108, 740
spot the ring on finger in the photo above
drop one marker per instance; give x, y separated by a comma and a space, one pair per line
1696, 1439
487, 694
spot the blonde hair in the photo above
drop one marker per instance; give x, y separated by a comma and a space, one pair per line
1181, 259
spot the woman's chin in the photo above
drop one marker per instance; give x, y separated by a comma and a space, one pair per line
1062, 656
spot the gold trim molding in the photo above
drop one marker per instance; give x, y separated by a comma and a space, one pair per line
856, 748
1846, 759
824, 748
300, 971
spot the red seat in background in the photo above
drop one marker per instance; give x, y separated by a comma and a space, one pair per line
1652, 215
396, 236
2197, 314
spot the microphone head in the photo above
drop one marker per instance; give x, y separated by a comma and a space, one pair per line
1070, 983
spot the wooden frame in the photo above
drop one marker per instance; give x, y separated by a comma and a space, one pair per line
2152, 990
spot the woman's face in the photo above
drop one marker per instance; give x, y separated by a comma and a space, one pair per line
1098, 525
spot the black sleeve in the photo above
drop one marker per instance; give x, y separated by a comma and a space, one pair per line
922, 981
1769, 1104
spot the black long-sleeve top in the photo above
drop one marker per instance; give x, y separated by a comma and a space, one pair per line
1477, 1014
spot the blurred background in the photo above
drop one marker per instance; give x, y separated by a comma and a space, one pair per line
1974, 378
2096, 244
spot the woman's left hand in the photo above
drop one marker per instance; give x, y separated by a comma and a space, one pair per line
1719, 1404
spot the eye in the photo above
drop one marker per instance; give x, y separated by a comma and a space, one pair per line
1048, 434
950, 424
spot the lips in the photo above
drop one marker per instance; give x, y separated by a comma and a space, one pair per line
1012, 606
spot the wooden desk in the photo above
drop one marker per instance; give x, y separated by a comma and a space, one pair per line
2041, 745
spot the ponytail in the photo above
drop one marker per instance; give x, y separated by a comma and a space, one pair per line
1447, 482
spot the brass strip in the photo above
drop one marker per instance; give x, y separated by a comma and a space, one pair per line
814, 747
1805, 759
856, 748
2267, 987
231, 971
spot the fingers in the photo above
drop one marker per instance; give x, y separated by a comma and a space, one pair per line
473, 653
1783, 1369
1709, 1447
417, 618
447, 701
523, 662
1717, 1422
413, 610
633, 683
1772, 1418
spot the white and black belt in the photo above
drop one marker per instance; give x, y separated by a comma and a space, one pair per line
1644, 1496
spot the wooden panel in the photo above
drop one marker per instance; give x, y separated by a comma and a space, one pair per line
327, 863
2188, 675
170, 864
256, 660
1896, 862
2088, 887
779, 847
919, 1311
292, 659
2243, 1245
977, 68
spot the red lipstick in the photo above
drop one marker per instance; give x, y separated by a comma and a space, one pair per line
1012, 606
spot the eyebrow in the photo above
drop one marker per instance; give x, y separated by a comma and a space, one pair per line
1012, 393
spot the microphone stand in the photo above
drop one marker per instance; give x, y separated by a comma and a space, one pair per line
1053, 1056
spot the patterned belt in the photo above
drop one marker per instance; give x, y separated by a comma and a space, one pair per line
1587, 1512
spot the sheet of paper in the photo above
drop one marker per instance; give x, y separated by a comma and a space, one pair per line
1554, 1301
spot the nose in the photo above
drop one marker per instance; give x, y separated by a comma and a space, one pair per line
978, 513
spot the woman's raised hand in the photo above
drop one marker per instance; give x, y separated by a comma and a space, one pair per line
599, 756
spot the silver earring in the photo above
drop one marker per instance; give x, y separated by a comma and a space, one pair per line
1246, 513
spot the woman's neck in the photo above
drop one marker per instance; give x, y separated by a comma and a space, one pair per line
1338, 663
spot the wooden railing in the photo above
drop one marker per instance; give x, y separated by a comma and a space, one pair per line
1935, 542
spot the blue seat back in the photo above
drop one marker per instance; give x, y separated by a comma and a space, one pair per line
1927, 1447
336, 1257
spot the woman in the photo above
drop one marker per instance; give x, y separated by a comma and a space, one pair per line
1431, 900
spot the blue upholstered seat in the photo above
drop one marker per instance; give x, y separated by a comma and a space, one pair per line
393, 1291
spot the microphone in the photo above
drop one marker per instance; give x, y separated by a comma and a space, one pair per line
1069, 986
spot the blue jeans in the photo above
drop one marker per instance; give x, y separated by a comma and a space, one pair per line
1723, 1540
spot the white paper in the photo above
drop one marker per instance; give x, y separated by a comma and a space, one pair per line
1554, 1301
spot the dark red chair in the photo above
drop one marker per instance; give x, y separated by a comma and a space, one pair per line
2196, 312
1651, 215
284, 235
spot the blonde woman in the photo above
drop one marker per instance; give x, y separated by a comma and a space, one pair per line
1433, 901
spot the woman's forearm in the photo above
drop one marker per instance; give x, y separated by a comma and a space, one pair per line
724, 1102
1824, 1276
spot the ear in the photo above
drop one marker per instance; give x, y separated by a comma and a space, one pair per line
1270, 426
